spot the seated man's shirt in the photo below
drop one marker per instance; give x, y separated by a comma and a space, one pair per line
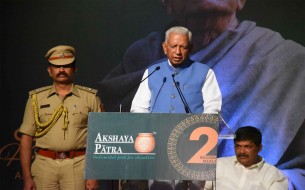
231, 175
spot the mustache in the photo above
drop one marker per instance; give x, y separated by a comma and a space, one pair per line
62, 74
242, 155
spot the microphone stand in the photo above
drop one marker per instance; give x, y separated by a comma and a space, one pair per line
163, 82
186, 107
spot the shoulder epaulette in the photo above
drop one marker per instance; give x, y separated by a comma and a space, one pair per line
40, 90
88, 89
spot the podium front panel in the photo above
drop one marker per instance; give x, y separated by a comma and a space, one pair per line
151, 146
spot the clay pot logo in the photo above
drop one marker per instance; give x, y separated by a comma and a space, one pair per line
145, 143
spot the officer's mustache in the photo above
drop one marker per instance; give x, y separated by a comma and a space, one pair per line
62, 74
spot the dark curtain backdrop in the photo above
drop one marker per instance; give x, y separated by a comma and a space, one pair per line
100, 30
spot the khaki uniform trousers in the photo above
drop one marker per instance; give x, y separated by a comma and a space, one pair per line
59, 174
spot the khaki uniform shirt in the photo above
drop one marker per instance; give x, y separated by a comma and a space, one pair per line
79, 102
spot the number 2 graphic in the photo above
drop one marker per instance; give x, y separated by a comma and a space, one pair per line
207, 147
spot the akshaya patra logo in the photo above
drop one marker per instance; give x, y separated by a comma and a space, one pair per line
124, 146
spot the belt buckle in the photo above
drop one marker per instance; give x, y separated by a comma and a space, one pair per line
61, 155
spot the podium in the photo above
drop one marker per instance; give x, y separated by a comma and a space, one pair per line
144, 146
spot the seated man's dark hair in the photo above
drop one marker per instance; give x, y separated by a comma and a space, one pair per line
248, 133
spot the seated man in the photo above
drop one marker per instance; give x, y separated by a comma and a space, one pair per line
247, 170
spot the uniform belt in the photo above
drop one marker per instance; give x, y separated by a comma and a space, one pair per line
61, 155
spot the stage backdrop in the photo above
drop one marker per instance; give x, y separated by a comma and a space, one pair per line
100, 30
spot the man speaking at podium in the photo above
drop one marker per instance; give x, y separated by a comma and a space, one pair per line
179, 85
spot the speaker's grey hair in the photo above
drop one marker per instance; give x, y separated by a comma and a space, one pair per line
178, 30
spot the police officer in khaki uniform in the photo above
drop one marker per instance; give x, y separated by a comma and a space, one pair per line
56, 117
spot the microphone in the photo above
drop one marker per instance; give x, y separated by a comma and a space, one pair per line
137, 84
186, 107
156, 69
163, 82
